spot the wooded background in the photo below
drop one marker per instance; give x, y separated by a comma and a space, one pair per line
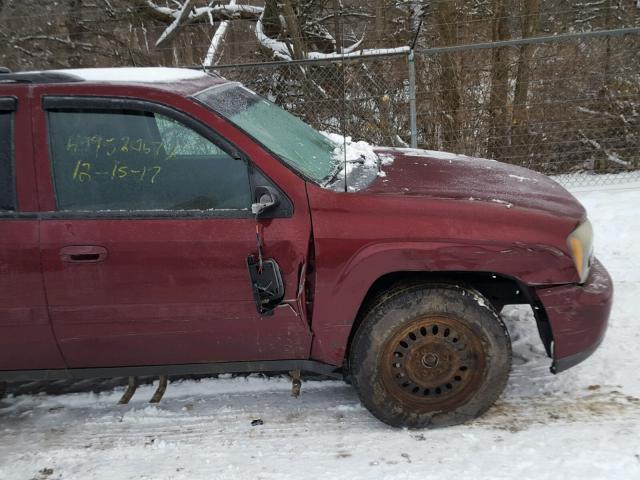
558, 107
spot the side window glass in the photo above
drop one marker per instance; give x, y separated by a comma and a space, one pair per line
122, 160
183, 140
7, 180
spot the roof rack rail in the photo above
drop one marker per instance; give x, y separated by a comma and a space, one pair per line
37, 77
4, 70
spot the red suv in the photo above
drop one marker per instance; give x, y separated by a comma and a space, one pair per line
166, 221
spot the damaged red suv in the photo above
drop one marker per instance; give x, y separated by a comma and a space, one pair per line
166, 222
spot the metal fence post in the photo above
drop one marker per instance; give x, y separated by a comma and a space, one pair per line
344, 122
412, 99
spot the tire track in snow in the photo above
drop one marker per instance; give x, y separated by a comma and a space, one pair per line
328, 412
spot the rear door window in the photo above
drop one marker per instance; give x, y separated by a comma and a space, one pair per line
7, 176
131, 160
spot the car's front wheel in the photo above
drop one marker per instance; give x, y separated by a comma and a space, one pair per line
430, 355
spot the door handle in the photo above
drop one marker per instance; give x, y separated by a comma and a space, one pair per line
83, 254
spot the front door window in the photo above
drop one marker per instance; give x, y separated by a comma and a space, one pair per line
126, 160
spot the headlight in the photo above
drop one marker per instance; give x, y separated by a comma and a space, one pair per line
580, 244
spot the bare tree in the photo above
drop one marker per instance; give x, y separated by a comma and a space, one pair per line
446, 17
74, 29
499, 82
337, 18
297, 46
519, 128
381, 22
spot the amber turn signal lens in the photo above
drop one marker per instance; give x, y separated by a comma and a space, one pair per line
580, 243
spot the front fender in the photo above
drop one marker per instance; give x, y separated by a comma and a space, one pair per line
341, 286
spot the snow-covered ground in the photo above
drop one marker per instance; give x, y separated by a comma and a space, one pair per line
582, 424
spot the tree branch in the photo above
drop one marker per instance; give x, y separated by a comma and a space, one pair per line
217, 40
173, 27
203, 14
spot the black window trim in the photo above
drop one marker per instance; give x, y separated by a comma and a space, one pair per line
65, 102
9, 104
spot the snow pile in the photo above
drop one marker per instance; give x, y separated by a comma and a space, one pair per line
385, 158
357, 152
360, 156
417, 152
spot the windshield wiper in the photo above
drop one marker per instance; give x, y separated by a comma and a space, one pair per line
339, 168
331, 178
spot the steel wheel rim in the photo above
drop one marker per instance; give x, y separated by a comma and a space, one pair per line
436, 363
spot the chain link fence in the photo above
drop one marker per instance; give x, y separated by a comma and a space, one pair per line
567, 106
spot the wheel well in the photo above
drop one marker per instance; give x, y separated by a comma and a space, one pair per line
500, 290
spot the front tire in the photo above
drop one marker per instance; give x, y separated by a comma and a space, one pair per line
430, 356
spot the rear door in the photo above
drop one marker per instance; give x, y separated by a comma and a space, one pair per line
26, 339
144, 255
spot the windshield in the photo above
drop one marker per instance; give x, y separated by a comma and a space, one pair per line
299, 145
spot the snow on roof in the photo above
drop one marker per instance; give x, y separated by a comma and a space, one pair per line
135, 74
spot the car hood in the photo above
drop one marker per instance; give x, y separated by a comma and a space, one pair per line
441, 175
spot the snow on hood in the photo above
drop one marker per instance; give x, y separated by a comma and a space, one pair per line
450, 175
442, 175
356, 151
137, 74
415, 152
362, 162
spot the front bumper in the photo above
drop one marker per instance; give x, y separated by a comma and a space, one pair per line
578, 316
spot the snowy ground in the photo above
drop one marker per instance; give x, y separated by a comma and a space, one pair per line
583, 423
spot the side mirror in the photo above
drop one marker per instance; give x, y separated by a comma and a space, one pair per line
267, 284
265, 199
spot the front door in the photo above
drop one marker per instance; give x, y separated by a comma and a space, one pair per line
145, 257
